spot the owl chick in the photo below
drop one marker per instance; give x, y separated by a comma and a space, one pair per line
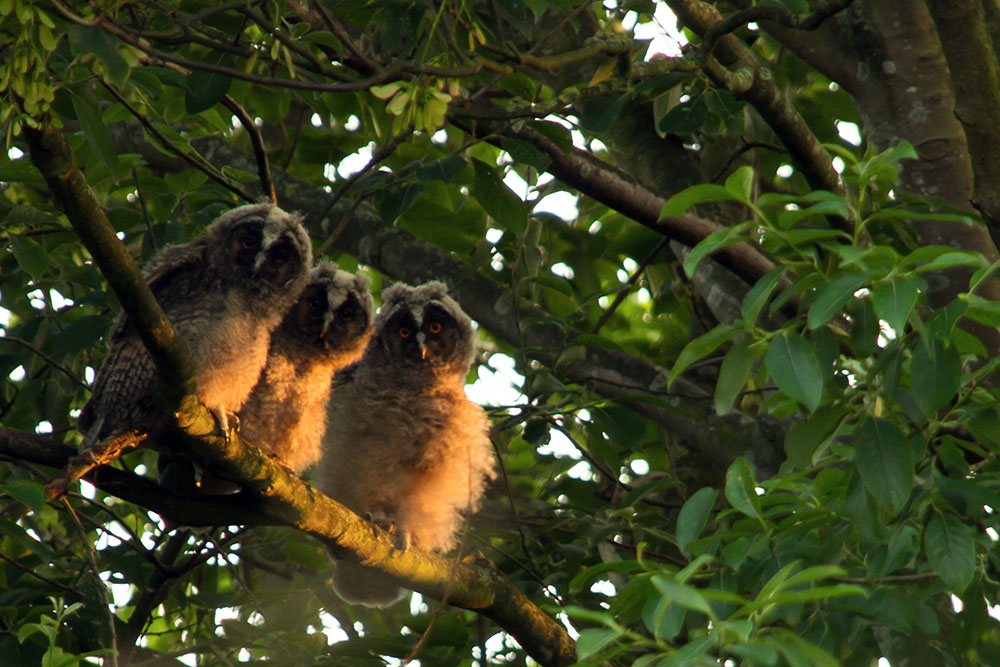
326, 329
224, 292
404, 445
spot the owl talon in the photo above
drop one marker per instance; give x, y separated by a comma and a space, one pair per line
227, 423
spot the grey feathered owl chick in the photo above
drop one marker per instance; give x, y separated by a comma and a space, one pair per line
326, 329
224, 292
404, 445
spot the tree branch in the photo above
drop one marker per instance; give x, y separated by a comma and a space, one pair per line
762, 93
272, 496
52, 155
778, 15
972, 63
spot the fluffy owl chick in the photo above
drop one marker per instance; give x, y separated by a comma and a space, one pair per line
224, 292
326, 329
404, 445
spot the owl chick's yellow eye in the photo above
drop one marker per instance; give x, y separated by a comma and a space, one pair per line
404, 332
435, 327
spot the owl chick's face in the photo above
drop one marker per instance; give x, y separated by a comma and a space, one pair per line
267, 248
428, 335
331, 317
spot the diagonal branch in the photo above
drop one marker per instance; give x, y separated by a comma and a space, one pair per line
273, 496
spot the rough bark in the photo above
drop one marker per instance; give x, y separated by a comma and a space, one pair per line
886, 53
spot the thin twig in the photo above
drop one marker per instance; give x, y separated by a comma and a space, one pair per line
259, 152
203, 167
49, 360
627, 287
41, 577
99, 584
747, 146
377, 158
774, 14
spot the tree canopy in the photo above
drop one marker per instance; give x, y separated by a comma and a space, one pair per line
738, 324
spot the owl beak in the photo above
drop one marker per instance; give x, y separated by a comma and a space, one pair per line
258, 260
422, 344
327, 320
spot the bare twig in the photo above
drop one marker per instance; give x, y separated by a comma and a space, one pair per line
775, 14
627, 287
49, 360
198, 164
259, 152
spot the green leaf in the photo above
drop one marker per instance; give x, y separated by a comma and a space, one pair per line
701, 347
807, 440
894, 299
444, 170
86, 40
734, 373
793, 365
740, 184
693, 516
885, 461
678, 205
525, 152
592, 640
837, 206
865, 328
833, 296
714, 242
741, 488
682, 594
935, 374
954, 258
397, 201
600, 113
25, 492
205, 89
96, 132
951, 550
663, 619
30, 255
756, 298
497, 200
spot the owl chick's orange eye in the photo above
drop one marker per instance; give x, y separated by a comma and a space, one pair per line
316, 303
279, 256
247, 242
404, 332
435, 327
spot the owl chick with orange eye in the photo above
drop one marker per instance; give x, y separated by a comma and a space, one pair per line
404, 445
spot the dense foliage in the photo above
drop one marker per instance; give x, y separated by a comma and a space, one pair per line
741, 363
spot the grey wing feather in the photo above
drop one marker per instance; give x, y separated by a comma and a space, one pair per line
123, 389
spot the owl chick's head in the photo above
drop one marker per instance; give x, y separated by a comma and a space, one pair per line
267, 248
424, 326
334, 312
